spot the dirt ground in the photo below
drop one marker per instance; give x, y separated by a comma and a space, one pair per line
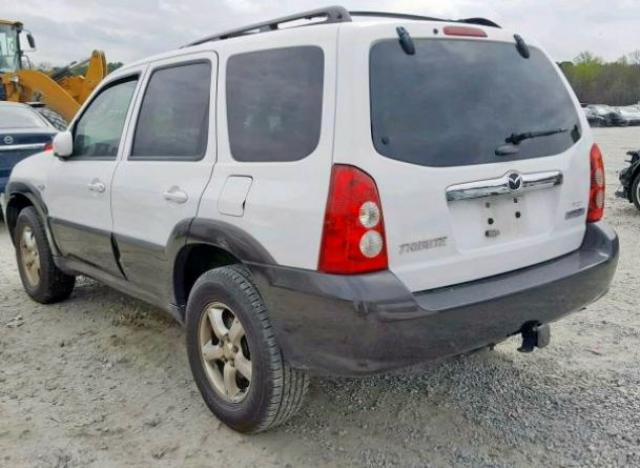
103, 380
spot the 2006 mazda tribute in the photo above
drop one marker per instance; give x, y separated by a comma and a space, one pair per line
344, 197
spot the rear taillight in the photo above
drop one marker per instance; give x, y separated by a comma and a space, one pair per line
596, 193
353, 239
48, 147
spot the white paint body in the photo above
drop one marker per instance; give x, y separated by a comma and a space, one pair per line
282, 205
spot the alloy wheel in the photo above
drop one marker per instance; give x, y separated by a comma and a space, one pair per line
225, 352
30, 256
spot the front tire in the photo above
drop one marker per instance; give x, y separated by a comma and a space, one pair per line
635, 191
41, 279
235, 360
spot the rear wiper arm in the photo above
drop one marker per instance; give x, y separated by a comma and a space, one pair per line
517, 138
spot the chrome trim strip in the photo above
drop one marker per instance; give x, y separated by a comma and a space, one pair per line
29, 146
500, 186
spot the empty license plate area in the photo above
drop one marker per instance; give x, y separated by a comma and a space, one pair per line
490, 221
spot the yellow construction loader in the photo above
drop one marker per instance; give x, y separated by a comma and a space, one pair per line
58, 94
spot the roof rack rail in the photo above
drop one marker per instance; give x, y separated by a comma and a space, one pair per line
333, 14
382, 14
480, 21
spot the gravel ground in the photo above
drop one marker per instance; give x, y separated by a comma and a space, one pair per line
103, 380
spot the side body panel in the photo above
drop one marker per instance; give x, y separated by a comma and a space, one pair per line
285, 201
154, 200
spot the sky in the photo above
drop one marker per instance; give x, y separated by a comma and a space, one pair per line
127, 30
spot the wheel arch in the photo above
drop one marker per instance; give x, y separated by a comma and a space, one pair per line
192, 261
15, 205
203, 244
20, 196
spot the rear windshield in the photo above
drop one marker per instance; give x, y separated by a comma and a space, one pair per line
19, 117
455, 102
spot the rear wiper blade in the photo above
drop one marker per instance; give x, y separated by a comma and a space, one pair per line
517, 138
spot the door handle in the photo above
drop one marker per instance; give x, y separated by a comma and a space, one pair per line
97, 186
176, 195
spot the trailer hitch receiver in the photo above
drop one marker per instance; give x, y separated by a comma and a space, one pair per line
534, 335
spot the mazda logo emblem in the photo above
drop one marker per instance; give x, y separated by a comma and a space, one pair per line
515, 182
8, 140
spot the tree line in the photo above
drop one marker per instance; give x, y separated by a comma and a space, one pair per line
598, 82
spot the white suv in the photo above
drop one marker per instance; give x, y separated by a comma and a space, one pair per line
345, 197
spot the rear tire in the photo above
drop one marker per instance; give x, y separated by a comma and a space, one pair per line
227, 327
635, 191
41, 278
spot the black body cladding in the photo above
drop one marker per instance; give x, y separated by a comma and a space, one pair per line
371, 323
354, 325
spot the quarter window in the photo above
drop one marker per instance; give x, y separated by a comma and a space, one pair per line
274, 103
99, 130
174, 116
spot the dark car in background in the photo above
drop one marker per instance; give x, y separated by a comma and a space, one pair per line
23, 132
630, 180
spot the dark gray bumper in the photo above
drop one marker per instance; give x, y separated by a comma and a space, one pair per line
353, 325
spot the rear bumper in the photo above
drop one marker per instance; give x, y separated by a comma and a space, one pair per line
355, 325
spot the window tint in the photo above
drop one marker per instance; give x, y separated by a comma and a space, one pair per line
174, 117
99, 130
274, 103
455, 102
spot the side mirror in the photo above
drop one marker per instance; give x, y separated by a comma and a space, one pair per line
31, 40
63, 144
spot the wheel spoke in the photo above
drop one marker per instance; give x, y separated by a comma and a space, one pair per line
30, 240
236, 332
230, 384
216, 322
243, 365
225, 352
212, 352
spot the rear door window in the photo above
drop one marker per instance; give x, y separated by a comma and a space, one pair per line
274, 103
174, 116
455, 102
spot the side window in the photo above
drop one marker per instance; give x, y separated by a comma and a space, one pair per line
274, 103
174, 116
99, 130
